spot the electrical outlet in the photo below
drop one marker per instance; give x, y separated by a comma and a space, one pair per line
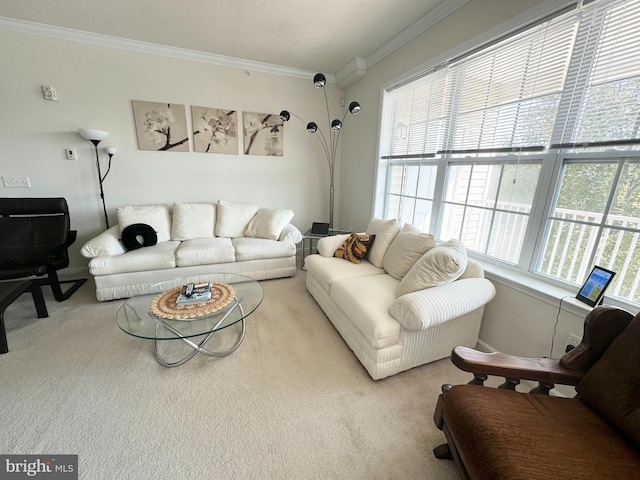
71, 154
16, 182
572, 340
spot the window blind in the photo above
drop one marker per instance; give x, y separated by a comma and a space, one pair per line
509, 94
570, 80
415, 117
601, 103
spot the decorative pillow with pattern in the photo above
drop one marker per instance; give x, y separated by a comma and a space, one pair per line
354, 247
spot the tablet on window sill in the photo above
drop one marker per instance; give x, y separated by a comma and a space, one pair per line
594, 286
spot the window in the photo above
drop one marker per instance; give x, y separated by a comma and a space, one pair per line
527, 148
596, 217
411, 192
487, 206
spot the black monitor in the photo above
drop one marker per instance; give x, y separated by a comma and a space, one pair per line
594, 286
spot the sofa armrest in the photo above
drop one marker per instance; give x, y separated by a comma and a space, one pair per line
107, 243
291, 233
432, 306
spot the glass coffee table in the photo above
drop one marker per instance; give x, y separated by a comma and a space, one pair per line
138, 317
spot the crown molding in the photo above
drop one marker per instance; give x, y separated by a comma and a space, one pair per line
353, 72
72, 35
446, 8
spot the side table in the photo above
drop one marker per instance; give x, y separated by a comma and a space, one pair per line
9, 292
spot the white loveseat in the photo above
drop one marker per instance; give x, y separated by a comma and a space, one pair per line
193, 239
409, 302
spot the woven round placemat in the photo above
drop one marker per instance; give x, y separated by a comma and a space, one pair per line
164, 305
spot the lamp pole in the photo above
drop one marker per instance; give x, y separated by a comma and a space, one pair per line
330, 144
95, 137
100, 178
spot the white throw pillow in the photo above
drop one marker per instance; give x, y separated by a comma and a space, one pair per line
442, 264
268, 223
405, 250
232, 219
385, 231
192, 220
157, 216
327, 246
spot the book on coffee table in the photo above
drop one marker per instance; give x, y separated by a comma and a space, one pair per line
194, 293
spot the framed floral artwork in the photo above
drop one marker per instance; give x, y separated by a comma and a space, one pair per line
215, 130
161, 126
263, 134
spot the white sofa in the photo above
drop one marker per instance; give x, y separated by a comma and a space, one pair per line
193, 239
410, 302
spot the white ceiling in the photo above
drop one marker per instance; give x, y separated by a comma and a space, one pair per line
321, 35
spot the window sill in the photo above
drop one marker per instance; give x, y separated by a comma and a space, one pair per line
529, 285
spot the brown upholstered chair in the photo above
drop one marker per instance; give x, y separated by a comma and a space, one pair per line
501, 433
34, 237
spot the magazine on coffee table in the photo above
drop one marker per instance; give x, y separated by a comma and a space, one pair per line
194, 293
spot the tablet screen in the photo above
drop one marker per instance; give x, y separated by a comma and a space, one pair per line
594, 286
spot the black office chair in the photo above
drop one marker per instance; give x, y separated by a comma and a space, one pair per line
34, 237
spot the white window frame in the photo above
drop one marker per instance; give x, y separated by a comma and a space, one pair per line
544, 199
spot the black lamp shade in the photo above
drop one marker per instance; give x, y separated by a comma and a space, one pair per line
354, 107
312, 127
336, 124
285, 116
319, 80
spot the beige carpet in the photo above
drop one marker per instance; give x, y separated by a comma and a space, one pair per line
291, 403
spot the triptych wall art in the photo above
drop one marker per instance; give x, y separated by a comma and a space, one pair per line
163, 127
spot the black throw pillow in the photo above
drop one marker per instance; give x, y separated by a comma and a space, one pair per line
131, 234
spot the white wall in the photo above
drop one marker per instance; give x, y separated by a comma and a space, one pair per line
95, 86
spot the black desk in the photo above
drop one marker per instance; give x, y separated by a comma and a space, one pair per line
9, 292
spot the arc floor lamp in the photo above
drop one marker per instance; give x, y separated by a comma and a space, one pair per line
330, 141
95, 137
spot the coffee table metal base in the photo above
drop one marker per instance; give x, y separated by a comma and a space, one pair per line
197, 347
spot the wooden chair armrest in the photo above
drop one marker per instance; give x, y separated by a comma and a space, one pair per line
543, 370
601, 326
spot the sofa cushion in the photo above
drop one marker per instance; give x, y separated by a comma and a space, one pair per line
327, 246
473, 270
385, 231
355, 247
612, 385
365, 301
327, 270
549, 437
268, 223
408, 246
155, 215
442, 264
205, 251
158, 257
260, 248
232, 219
193, 220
